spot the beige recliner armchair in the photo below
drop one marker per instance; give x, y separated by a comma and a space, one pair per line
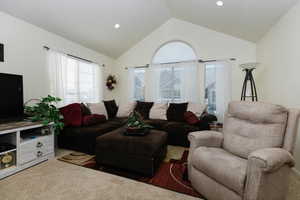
251, 159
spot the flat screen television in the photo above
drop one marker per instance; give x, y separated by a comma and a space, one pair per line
11, 100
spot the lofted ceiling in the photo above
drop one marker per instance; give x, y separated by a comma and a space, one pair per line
91, 22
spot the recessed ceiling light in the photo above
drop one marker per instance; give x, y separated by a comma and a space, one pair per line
220, 3
117, 26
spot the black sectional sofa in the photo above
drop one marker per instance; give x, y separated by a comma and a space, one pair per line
83, 139
178, 131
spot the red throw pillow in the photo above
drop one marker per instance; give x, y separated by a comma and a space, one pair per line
72, 114
93, 119
191, 118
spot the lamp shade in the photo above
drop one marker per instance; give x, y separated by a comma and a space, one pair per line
252, 65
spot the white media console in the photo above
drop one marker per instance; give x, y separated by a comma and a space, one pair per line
34, 143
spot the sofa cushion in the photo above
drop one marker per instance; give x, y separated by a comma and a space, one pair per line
179, 128
83, 138
176, 112
221, 166
191, 118
111, 108
125, 109
157, 123
143, 108
93, 119
97, 108
209, 118
159, 111
72, 114
250, 126
97, 129
85, 110
197, 108
120, 120
178, 132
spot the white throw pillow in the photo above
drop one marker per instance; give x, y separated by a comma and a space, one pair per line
97, 108
125, 109
197, 108
159, 111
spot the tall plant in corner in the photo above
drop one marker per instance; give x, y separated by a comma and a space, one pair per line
46, 112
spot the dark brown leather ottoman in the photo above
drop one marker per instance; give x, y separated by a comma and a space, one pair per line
142, 154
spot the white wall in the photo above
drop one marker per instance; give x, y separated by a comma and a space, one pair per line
24, 54
279, 54
207, 44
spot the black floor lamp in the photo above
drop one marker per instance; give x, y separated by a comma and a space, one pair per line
248, 68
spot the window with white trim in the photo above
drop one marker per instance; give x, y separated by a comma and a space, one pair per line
170, 84
218, 87
74, 80
178, 74
210, 87
139, 84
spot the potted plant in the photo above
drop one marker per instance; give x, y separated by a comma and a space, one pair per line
135, 125
46, 112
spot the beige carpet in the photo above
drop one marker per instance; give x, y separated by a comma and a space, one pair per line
56, 180
294, 189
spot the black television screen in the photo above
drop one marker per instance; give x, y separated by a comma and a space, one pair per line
11, 100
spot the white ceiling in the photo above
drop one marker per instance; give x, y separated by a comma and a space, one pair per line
246, 19
91, 22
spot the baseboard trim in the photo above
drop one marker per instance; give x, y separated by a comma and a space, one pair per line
296, 172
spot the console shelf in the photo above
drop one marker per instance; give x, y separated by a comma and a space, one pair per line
28, 139
5, 152
9, 170
31, 147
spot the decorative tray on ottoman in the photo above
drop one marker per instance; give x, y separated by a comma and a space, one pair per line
136, 126
136, 131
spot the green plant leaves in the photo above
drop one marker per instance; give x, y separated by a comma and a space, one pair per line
46, 112
135, 120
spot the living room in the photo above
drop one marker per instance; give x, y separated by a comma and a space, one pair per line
138, 87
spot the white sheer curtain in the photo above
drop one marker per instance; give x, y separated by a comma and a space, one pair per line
223, 87
152, 80
131, 86
57, 70
178, 82
136, 84
72, 80
190, 77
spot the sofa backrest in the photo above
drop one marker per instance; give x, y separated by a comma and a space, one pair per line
250, 126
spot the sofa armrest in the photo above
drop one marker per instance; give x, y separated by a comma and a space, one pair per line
209, 118
271, 159
205, 138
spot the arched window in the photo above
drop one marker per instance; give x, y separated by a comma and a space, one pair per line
173, 74
170, 78
174, 52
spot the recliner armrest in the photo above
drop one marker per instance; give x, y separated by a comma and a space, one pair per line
206, 138
203, 138
271, 159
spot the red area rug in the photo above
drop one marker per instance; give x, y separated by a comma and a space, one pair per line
171, 175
